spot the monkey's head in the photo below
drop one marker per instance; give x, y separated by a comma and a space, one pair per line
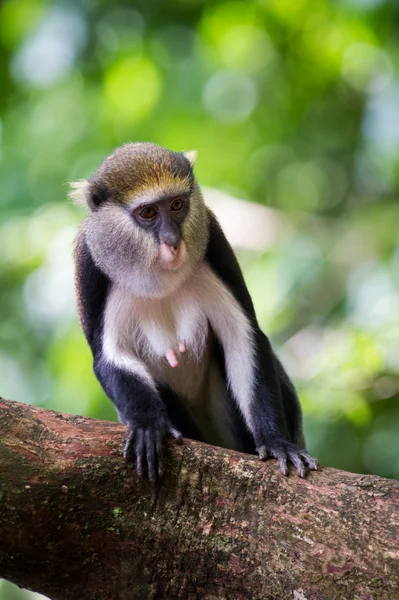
147, 225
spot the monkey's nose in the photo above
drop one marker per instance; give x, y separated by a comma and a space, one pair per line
170, 235
172, 245
172, 255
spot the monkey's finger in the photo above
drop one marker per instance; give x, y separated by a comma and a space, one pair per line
127, 449
283, 466
297, 462
282, 459
150, 455
311, 463
263, 453
182, 347
159, 453
176, 435
139, 452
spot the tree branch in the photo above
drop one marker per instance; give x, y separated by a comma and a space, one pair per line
75, 522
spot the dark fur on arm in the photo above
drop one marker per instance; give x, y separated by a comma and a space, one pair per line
142, 408
276, 423
92, 288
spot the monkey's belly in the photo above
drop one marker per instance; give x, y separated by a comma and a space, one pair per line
189, 380
200, 384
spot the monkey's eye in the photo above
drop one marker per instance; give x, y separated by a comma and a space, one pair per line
177, 204
148, 213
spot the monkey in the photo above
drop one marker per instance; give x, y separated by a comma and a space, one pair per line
171, 325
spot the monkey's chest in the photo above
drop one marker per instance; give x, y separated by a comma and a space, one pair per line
149, 329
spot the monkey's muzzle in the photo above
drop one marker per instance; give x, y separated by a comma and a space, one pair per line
170, 257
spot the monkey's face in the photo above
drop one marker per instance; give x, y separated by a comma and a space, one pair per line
147, 227
164, 219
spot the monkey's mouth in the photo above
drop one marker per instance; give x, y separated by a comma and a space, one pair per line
171, 258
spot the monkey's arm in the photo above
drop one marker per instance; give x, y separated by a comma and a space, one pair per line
140, 406
124, 378
257, 380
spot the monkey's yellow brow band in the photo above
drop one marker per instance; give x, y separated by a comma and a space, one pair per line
153, 193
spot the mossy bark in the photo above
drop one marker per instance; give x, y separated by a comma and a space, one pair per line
75, 522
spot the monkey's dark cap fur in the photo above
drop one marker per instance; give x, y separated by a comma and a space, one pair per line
141, 166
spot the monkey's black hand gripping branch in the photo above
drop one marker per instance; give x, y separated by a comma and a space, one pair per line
271, 433
285, 451
276, 414
141, 407
145, 445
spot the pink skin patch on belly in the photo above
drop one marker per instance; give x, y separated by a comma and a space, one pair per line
171, 355
171, 358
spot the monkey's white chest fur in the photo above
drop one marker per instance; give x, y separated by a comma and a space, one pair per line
139, 332
161, 324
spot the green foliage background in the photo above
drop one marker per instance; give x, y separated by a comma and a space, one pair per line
293, 104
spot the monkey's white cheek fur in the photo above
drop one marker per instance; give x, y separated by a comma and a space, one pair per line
170, 258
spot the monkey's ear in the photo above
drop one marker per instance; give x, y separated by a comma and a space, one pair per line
79, 192
191, 156
84, 193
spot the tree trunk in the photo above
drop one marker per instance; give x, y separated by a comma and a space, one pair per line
76, 523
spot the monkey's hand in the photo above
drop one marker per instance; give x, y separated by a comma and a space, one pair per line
286, 451
144, 442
